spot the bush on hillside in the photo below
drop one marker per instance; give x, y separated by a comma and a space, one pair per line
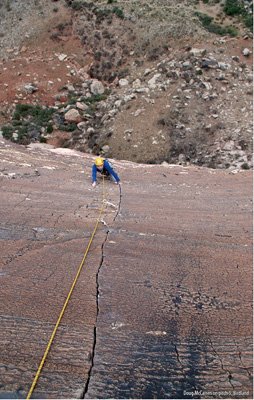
213, 27
27, 122
236, 8
248, 21
233, 7
77, 5
118, 12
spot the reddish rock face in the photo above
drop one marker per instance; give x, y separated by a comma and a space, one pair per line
162, 307
48, 212
176, 286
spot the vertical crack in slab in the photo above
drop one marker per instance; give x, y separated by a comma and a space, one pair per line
227, 371
186, 377
177, 355
97, 313
180, 362
241, 361
120, 203
84, 392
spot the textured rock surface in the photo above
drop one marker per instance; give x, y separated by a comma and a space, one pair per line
174, 305
171, 272
48, 211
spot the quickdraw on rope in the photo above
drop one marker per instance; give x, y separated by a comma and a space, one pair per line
67, 298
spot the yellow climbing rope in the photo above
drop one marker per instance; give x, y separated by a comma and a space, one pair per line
67, 298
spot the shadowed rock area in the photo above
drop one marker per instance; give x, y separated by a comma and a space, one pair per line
163, 306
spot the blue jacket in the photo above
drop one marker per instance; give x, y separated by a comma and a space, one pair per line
106, 168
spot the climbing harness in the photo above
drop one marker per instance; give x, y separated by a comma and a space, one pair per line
68, 297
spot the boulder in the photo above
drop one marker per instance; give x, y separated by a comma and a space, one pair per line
246, 52
105, 148
152, 82
147, 71
70, 88
30, 88
62, 57
81, 126
82, 106
229, 146
123, 82
97, 87
209, 63
142, 90
136, 84
187, 65
223, 66
207, 85
72, 115
197, 52
90, 130
118, 103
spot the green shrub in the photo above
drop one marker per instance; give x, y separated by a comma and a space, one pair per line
7, 131
211, 26
16, 122
8, 6
233, 7
221, 30
91, 111
118, 12
95, 98
22, 132
42, 115
72, 99
248, 21
123, 73
102, 13
25, 119
50, 128
38, 114
245, 166
76, 5
204, 18
68, 128
231, 30
22, 110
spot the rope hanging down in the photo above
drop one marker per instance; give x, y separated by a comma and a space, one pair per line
67, 299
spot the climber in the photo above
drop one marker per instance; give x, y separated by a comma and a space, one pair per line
103, 166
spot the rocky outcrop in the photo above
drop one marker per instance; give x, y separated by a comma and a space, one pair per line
197, 86
182, 105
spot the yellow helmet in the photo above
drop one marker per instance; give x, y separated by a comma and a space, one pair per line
99, 162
